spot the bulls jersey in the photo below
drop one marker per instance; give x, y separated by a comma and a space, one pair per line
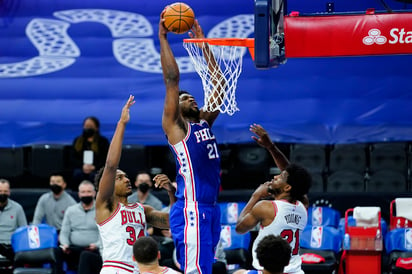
118, 234
197, 165
289, 222
165, 270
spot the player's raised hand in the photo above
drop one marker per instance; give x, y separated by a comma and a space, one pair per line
263, 191
162, 181
162, 28
262, 138
196, 31
125, 116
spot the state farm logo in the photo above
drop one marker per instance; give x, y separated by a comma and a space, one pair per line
374, 37
398, 36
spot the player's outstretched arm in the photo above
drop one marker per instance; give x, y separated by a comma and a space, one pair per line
162, 181
156, 218
106, 185
216, 75
172, 122
264, 140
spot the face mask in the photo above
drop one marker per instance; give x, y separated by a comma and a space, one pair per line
86, 199
56, 189
88, 132
3, 198
144, 187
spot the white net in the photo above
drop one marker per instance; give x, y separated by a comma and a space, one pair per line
219, 67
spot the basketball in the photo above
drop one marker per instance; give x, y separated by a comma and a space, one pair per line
179, 17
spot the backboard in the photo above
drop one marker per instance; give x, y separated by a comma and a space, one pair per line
269, 33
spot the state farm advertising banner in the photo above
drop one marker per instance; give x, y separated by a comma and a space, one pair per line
348, 35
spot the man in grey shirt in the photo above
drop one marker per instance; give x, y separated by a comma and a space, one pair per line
144, 184
142, 195
12, 216
79, 231
53, 204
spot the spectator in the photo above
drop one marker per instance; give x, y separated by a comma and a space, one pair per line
79, 230
12, 216
147, 255
89, 152
53, 204
143, 194
273, 253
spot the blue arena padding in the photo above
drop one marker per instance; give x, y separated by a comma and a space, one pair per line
235, 246
34, 247
34, 237
399, 239
323, 216
230, 212
321, 238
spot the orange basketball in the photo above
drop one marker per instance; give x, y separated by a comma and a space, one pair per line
179, 17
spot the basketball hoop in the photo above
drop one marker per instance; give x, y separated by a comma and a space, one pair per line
218, 61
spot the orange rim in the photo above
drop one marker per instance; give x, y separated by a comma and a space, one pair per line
234, 42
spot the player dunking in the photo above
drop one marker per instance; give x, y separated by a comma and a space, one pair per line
121, 224
286, 215
195, 217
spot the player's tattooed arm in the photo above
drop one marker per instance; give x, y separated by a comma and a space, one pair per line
156, 218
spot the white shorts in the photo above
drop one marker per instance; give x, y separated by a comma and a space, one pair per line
118, 268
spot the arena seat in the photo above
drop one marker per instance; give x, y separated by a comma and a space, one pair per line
348, 157
230, 212
236, 247
46, 159
6, 266
345, 181
312, 157
317, 182
320, 247
398, 246
133, 160
323, 216
161, 158
34, 248
390, 156
249, 166
11, 162
387, 180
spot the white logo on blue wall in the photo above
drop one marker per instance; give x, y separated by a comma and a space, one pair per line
133, 44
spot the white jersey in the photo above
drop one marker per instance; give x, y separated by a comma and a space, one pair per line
165, 270
290, 220
118, 234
